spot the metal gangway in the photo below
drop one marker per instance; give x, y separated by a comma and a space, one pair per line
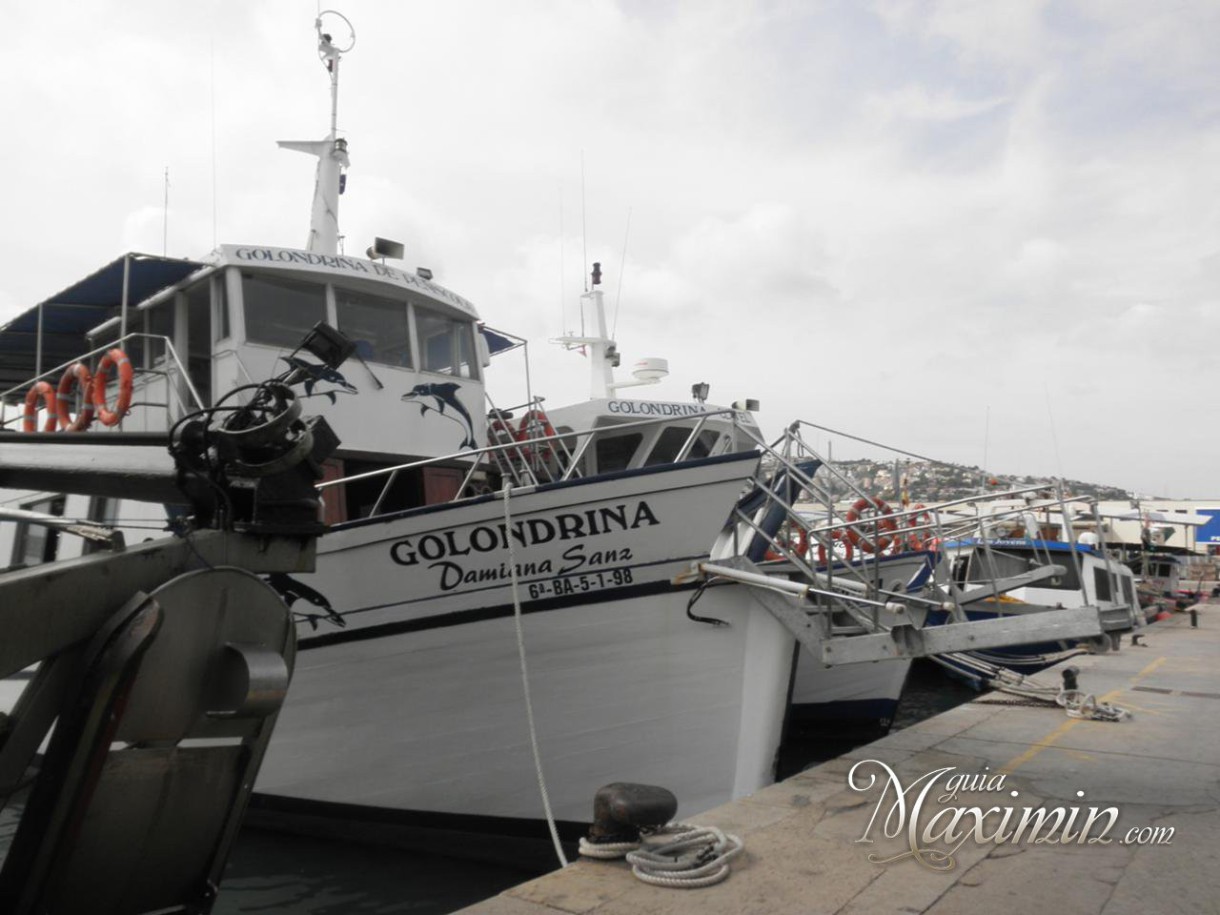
869, 582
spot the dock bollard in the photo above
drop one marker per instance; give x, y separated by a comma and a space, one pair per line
1069, 678
621, 809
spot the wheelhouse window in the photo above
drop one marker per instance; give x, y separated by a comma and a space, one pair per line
446, 345
377, 326
671, 440
614, 452
281, 312
1101, 583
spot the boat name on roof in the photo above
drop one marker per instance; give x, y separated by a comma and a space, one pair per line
654, 408
296, 259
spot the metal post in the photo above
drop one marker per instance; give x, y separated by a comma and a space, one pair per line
126, 287
38, 345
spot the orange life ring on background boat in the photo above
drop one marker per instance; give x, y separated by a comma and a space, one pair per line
535, 424
880, 522
116, 359
847, 550
916, 539
29, 421
77, 374
797, 542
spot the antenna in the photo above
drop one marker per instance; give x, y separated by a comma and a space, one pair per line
213, 92
331, 151
622, 268
165, 218
584, 230
562, 299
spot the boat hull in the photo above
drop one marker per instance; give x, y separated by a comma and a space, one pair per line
417, 705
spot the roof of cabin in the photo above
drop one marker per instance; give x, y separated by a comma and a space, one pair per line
68, 315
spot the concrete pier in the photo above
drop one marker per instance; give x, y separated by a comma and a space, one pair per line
1149, 785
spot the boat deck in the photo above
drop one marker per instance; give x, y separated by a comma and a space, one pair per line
1160, 770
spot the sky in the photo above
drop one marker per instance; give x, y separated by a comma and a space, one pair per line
988, 232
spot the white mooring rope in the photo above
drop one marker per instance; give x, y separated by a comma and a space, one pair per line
525, 685
678, 855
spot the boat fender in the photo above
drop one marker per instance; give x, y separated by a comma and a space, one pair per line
115, 359
77, 374
29, 421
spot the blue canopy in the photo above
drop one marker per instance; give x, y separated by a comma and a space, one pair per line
68, 315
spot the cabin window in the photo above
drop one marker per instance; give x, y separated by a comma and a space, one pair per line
445, 345
35, 544
281, 312
1128, 590
377, 326
614, 452
671, 440
1101, 582
220, 306
199, 340
159, 324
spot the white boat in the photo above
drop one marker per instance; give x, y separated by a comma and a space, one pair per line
407, 698
467, 547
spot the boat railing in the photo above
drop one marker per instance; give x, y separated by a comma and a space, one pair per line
530, 460
180, 392
914, 531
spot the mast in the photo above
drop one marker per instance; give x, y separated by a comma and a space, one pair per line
331, 151
602, 353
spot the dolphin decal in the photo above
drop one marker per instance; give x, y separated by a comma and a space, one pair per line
312, 373
445, 395
292, 590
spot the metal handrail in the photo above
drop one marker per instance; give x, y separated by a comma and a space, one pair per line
481, 456
171, 352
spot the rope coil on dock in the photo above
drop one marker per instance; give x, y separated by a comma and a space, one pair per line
1075, 702
678, 855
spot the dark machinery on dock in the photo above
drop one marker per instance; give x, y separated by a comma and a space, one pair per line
163, 665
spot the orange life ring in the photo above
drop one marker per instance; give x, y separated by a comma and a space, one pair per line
29, 420
880, 523
847, 550
499, 430
798, 545
533, 422
76, 374
116, 359
916, 539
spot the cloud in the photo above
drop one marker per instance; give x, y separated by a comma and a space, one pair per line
887, 218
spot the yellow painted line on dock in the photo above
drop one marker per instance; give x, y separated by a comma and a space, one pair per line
1050, 739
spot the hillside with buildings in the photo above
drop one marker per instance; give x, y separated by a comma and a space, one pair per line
926, 481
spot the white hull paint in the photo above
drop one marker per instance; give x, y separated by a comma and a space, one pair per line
418, 705
851, 692
629, 691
